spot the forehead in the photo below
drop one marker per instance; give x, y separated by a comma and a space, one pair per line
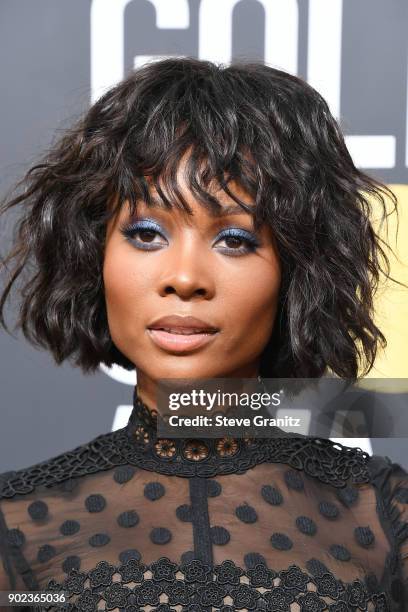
194, 173
188, 187
230, 199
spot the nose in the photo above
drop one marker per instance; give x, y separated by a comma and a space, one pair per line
188, 272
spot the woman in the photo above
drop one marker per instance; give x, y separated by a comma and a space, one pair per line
225, 194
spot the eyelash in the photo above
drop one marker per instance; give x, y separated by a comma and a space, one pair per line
150, 226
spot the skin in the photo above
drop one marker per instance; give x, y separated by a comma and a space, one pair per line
194, 271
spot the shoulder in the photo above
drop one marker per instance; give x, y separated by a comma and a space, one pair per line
390, 481
330, 462
101, 453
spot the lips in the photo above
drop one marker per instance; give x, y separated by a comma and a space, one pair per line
184, 331
181, 334
187, 325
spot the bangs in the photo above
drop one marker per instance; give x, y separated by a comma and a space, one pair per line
186, 132
164, 183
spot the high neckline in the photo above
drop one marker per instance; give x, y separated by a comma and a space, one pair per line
142, 415
320, 458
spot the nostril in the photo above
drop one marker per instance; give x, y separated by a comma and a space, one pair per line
169, 290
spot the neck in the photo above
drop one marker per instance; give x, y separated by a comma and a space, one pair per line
147, 390
147, 386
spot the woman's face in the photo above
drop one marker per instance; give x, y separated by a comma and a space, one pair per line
213, 268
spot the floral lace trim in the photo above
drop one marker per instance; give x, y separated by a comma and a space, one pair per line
321, 459
194, 586
137, 444
331, 464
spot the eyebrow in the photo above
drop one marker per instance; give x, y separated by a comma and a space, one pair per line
230, 209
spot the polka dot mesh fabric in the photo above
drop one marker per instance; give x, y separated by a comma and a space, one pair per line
123, 523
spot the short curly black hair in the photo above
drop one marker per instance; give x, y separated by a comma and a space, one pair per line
266, 129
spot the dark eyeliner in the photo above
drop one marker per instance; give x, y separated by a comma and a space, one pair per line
251, 241
129, 230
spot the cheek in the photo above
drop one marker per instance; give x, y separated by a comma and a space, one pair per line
124, 287
116, 280
252, 301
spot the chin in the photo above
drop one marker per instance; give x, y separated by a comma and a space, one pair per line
181, 367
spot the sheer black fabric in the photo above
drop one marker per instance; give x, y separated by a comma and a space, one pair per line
132, 522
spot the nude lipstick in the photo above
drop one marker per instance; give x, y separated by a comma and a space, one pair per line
179, 334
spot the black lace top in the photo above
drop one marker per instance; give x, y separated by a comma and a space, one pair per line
132, 522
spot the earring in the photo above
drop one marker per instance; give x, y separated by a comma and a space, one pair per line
261, 382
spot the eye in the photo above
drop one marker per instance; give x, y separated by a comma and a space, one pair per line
238, 241
142, 234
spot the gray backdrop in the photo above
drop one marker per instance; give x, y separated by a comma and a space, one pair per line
58, 55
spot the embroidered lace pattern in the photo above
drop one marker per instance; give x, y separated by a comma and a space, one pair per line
196, 587
132, 522
138, 445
